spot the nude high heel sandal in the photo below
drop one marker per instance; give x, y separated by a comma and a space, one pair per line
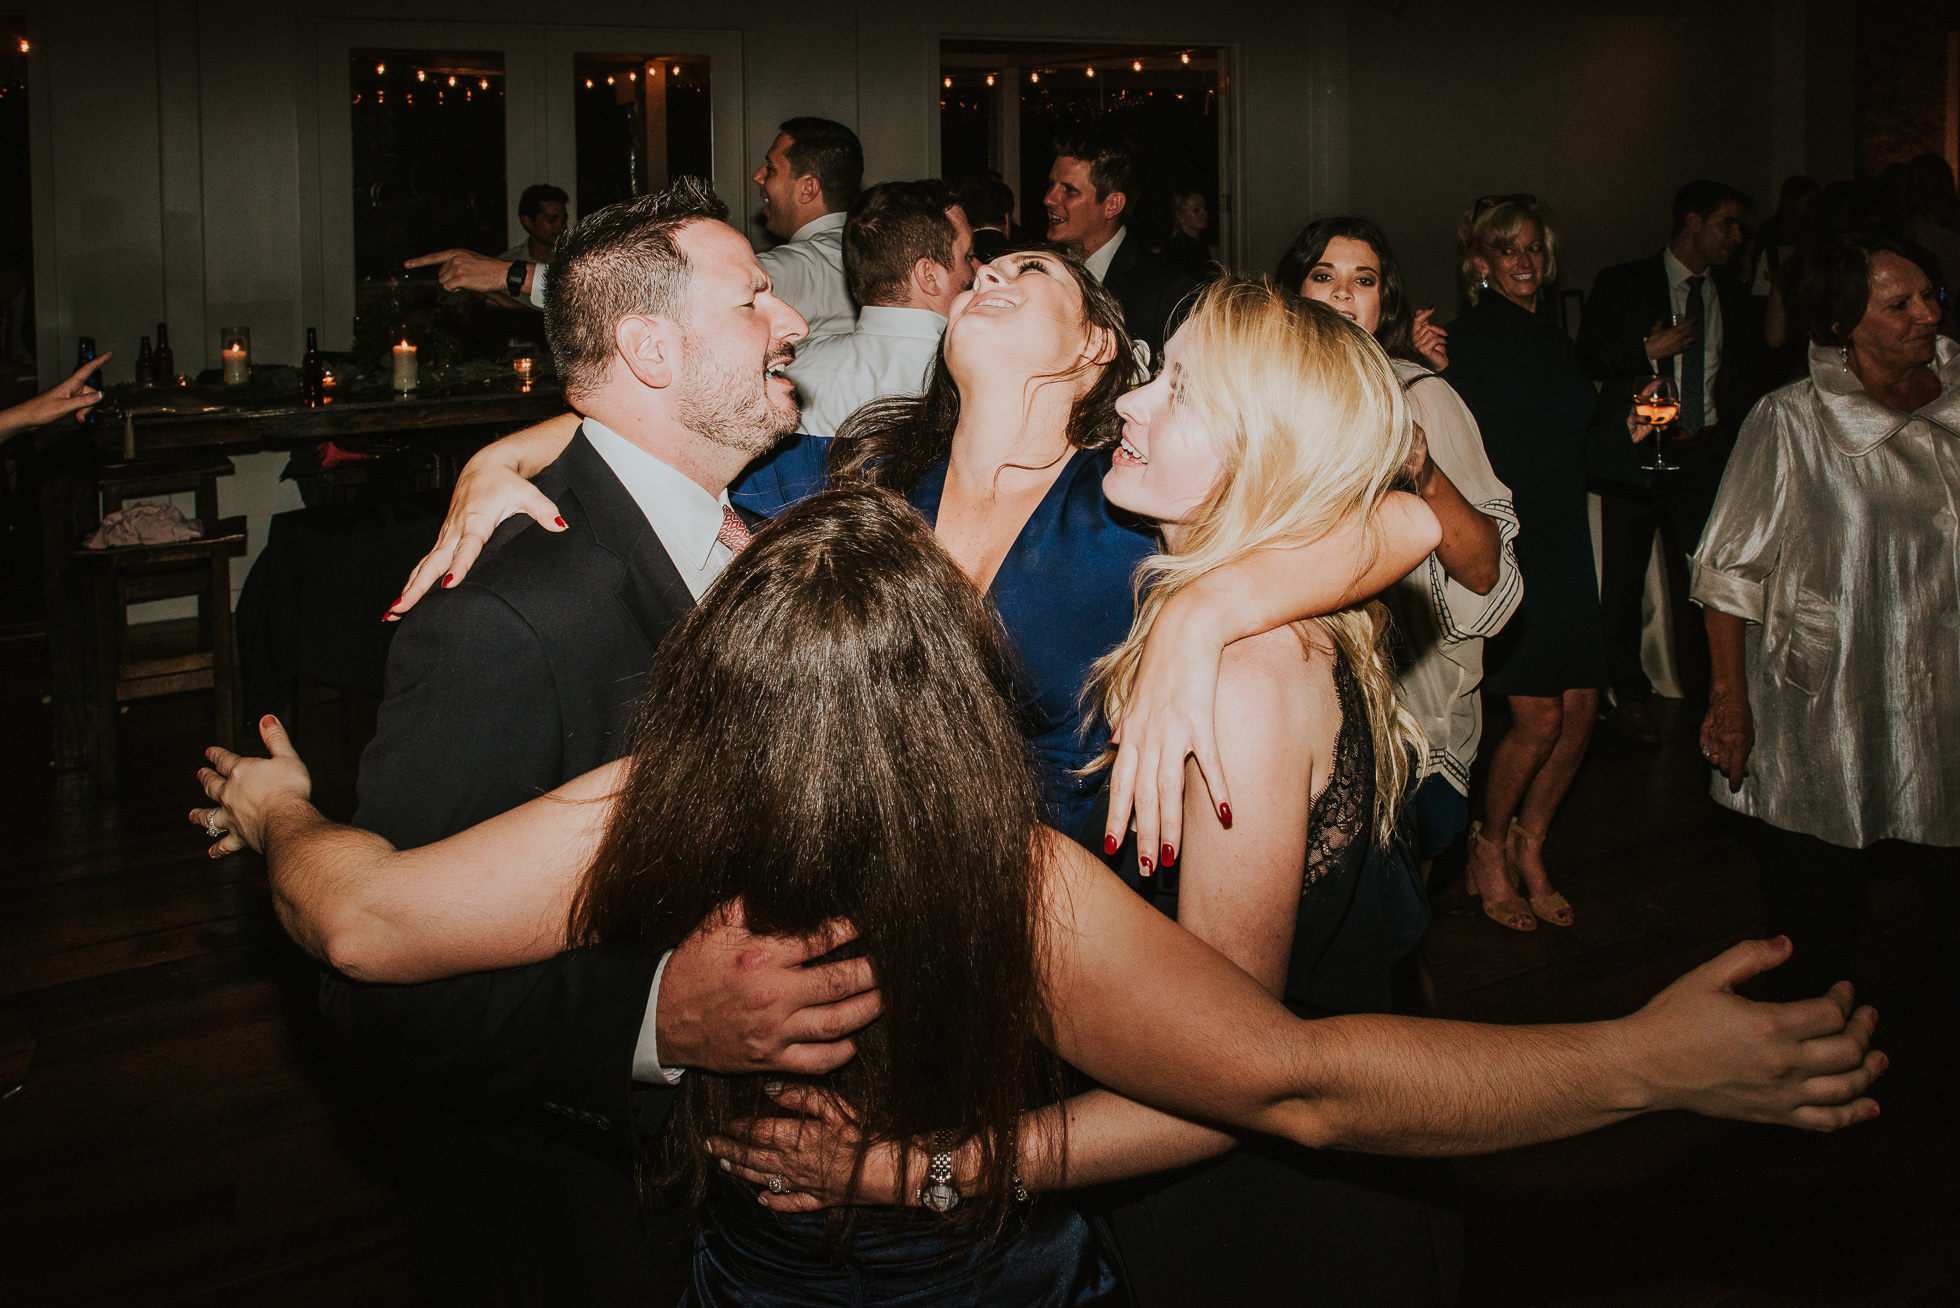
1512, 914
1552, 908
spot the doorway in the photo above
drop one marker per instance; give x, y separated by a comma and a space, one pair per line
1004, 103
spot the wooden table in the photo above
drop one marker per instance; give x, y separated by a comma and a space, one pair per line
258, 416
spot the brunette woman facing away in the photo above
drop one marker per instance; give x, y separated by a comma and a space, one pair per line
809, 747
1468, 587
1187, 250
1005, 453
1514, 367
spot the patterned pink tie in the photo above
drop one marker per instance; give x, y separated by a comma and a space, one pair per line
734, 532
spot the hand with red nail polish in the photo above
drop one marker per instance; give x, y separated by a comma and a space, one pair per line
1111, 844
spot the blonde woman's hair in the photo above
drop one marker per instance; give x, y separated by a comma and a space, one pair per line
1309, 424
1495, 226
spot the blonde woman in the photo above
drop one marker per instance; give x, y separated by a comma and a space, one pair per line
1513, 365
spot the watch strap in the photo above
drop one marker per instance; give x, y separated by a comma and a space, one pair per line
514, 279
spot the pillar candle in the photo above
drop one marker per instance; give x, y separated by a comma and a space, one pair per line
405, 374
238, 365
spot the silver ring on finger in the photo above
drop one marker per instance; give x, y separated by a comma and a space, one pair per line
777, 1184
211, 827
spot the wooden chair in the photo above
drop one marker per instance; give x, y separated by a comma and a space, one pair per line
133, 574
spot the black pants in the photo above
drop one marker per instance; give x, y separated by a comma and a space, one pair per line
1815, 894
1677, 505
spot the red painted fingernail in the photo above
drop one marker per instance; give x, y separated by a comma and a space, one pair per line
447, 577
559, 521
389, 612
1170, 856
1225, 814
1109, 843
1144, 863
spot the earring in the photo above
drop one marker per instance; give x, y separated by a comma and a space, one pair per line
1844, 355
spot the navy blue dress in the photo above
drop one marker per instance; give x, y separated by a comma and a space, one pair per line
1064, 598
1517, 373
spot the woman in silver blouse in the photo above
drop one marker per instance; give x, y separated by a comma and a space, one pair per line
1829, 575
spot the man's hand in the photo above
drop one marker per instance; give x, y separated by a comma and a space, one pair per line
247, 791
732, 1002
1698, 1045
465, 270
1666, 342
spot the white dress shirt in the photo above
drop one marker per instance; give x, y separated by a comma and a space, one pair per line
807, 271
688, 522
1443, 623
1711, 327
1099, 261
887, 354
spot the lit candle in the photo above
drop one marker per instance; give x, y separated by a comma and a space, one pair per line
522, 367
404, 366
238, 365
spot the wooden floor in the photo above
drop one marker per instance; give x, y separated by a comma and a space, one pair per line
176, 1128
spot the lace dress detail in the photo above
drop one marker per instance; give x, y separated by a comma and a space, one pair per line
1345, 806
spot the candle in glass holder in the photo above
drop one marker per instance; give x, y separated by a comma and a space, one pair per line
405, 368
235, 349
522, 367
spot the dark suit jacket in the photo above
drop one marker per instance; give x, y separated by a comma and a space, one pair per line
1151, 292
521, 678
1626, 301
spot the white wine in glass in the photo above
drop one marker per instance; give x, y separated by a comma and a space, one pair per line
1657, 407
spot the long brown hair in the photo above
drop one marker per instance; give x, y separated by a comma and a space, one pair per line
895, 441
827, 735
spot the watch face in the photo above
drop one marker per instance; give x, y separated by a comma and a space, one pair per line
940, 1196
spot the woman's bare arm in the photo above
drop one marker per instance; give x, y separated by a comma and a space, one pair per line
1149, 1010
496, 895
493, 485
1169, 716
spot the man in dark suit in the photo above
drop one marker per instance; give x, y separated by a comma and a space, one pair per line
1090, 187
988, 203
672, 347
1677, 313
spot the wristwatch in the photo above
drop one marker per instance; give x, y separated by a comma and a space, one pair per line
939, 1193
514, 279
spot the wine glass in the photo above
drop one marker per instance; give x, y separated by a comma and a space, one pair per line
1656, 405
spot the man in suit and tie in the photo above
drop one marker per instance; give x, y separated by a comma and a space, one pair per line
673, 348
1679, 314
1090, 189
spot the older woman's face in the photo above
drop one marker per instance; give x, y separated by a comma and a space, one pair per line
1515, 268
1901, 317
1348, 279
1023, 316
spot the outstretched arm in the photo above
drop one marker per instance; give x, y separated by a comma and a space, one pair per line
498, 895
1147, 1009
1169, 716
493, 485
58, 401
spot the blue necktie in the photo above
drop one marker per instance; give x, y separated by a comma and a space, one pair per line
1693, 364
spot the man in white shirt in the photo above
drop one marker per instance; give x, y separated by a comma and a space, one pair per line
541, 212
808, 180
672, 346
909, 253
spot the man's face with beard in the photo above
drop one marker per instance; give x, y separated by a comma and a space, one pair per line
732, 389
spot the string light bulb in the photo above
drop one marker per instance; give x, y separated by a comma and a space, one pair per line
452, 79
1034, 77
1092, 72
380, 70
1184, 58
421, 74
23, 45
610, 82
945, 81
633, 76
1136, 65
483, 84
990, 79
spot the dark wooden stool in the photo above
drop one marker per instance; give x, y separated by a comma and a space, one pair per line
136, 573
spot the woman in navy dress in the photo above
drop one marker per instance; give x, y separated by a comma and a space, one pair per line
1513, 365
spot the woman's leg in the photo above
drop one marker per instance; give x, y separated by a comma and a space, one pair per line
1537, 726
1548, 787
1814, 893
